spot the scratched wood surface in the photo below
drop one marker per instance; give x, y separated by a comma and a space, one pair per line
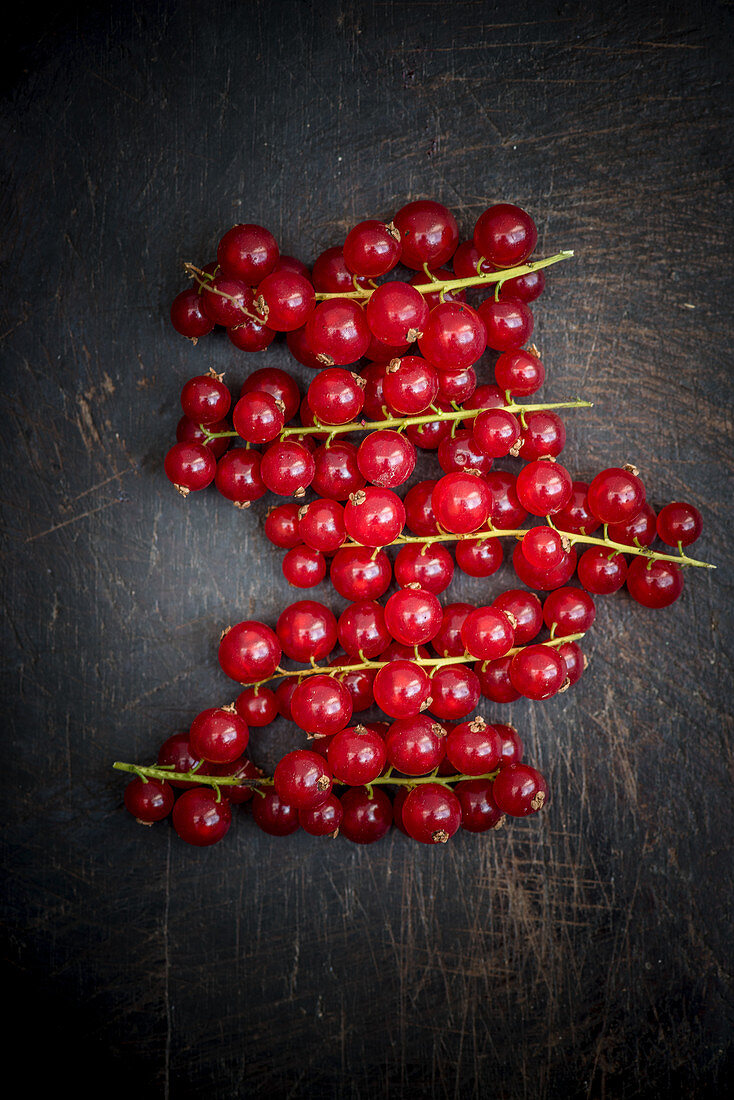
585, 953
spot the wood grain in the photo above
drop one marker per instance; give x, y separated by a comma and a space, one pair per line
585, 954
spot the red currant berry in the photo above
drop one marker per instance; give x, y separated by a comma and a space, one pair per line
410, 385
380, 354
453, 337
543, 548
401, 689
188, 316
467, 262
520, 372
494, 681
574, 661
413, 616
386, 458
359, 575
321, 525
257, 706
372, 249
238, 476
176, 751
505, 235
448, 641
279, 384
457, 385
638, 531
336, 396
363, 633
509, 323
654, 584
461, 502
397, 313
257, 418
415, 746
358, 683
544, 487
374, 397
273, 815
479, 557
616, 495
460, 451
302, 779
526, 610
285, 300
419, 509
496, 432
323, 820
218, 735
487, 633
190, 466
455, 692
429, 566
576, 517
506, 511
287, 468
544, 435
201, 817
237, 793
474, 748
374, 516
428, 233
485, 396
430, 435
281, 526
331, 275
336, 473
548, 580
291, 263
520, 790
356, 756
537, 672
247, 252
148, 800
367, 815
478, 810
205, 399
189, 432
306, 629
679, 524
338, 332
568, 611
512, 749
431, 813
300, 349
227, 301
249, 651
600, 572
249, 335
304, 567
283, 696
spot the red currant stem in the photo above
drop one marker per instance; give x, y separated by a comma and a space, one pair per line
425, 418
638, 551
425, 662
475, 280
216, 435
198, 275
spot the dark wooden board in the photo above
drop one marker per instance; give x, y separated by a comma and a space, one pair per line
585, 953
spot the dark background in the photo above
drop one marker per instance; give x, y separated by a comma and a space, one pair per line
583, 953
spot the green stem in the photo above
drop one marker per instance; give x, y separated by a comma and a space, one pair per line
475, 280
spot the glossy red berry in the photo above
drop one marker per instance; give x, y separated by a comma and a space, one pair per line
457, 385
410, 385
321, 525
279, 384
468, 262
537, 672
242, 769
543, 487
480, 557
336, 471
413, 616
356, 755
638, 531
616, 495
331, 275
302, 779
419, 514
374, 516
520, 372
273, 815
366, 816
429, 566
474, 748
448, 642
506, 511
397, 313
287, 468
526, 611
304, 567
200, 818
306, 629
257, 418
601, 572
338, 332
431, 813
386, 458
176, 751
576, 517
544, 435
508, 322
429, 435
358, 683
190, 466
654, 584
428, 233
478, 809
543, 548
512, 747
505, 235
247, 252
149, 800
281, 525
249, 335
568, 611
238, 476
189, 432
336, 396
188, 316
496, 432
358, 575
249, 651
679, 524
205, 399
461, 502
415, 746
454, 336
455, 692
574, 660
460, 451
372, 249
285, 300
550, 578
257, 706
494, 681
520, 790
363, 632
401, 689
488, 633
322, 820
227, 301
218, 735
